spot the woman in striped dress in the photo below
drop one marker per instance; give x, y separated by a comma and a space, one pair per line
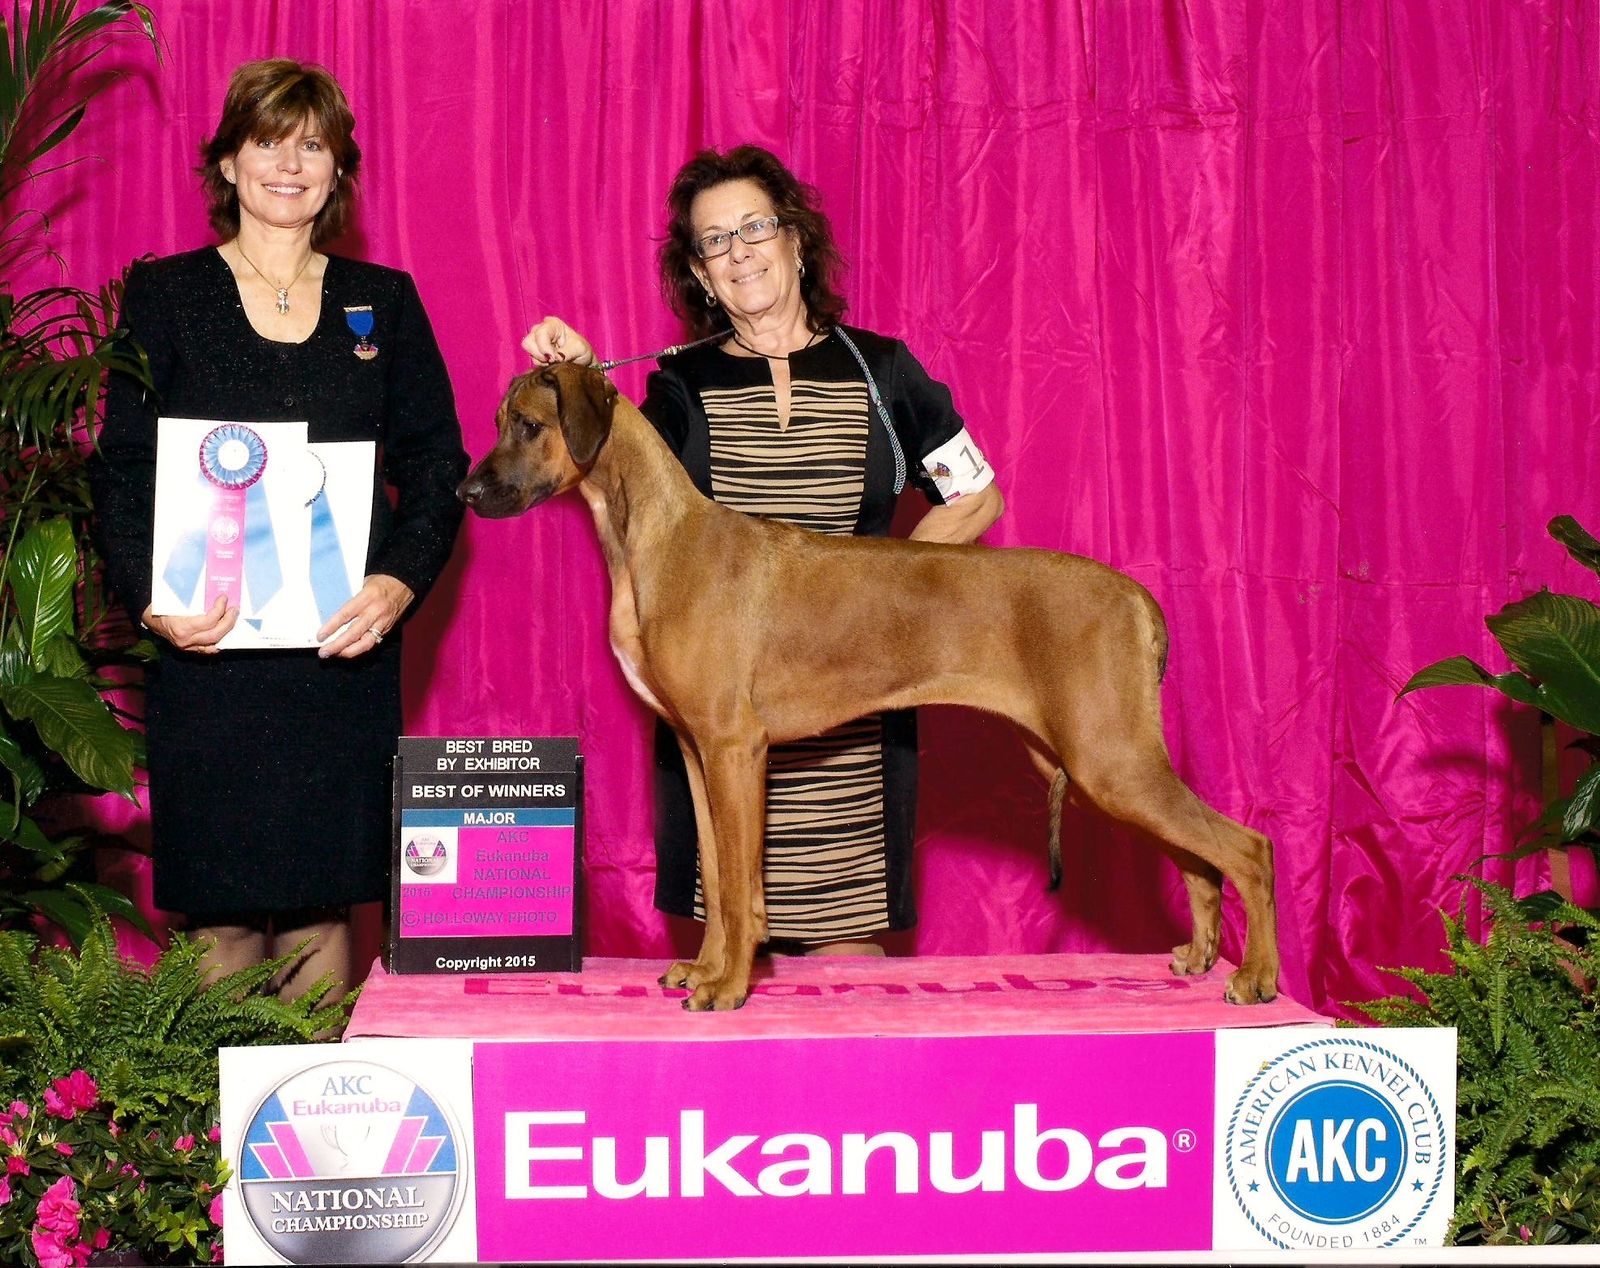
777, 419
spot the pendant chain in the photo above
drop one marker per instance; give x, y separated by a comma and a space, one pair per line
283, 291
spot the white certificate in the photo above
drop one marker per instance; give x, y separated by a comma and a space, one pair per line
254, 512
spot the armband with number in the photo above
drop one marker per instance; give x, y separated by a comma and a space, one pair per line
958, 468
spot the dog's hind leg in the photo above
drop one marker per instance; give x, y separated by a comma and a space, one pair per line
1204, 885
1135, 782
708, 963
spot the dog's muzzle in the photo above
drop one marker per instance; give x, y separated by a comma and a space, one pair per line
472, 489
494, 499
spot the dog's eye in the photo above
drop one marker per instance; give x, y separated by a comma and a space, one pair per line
528, 427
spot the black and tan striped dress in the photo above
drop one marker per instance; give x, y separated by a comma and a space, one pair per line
840, 807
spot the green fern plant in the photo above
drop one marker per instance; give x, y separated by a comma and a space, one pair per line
1527, 1018
148, 1035
109, 1091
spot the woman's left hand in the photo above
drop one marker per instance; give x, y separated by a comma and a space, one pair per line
361, 624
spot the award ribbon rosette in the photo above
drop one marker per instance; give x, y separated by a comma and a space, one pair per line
256, 513
233, 459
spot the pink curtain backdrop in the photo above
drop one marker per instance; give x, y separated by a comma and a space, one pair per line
1287, 310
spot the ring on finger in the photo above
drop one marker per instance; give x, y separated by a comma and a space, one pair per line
377, 634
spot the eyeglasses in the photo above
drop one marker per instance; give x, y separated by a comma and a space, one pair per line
751, 232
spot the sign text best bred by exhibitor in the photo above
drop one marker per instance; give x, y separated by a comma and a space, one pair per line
487, 873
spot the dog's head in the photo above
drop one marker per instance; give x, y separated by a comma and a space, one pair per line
551, 427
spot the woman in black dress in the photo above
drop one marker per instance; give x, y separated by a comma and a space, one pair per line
776, 418
269, 770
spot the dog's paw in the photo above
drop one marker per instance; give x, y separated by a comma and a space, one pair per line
1247, 986
715, 998
1193, 959
684, 975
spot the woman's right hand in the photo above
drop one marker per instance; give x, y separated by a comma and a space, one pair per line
553, 340
195, 633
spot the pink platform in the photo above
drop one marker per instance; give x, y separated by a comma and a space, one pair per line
823, 998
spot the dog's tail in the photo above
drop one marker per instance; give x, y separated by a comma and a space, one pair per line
1058, 793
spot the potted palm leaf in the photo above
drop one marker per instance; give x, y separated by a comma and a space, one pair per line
59, 734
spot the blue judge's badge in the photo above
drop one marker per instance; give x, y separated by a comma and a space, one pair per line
359, 319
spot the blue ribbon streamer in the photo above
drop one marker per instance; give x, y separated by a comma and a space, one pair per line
330, 580
188, 558
262, 573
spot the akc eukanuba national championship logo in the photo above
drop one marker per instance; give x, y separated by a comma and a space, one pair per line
350, 1162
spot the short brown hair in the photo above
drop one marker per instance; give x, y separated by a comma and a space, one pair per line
797, 205
266, 101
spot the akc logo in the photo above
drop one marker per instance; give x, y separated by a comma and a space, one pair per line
350, 1162
1337, 1144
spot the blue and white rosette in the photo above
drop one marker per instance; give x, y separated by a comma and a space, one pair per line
236, 548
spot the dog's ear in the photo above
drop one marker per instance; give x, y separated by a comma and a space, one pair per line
584, 399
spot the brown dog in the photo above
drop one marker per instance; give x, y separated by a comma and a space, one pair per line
714, 616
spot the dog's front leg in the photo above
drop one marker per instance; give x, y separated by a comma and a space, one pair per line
709, 962
736, 794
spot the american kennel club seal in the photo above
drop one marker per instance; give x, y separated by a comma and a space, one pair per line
1338, 1143
350, 1162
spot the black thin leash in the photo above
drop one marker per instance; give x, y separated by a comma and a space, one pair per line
605, 367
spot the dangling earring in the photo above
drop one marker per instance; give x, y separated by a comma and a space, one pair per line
799, 265
711, 300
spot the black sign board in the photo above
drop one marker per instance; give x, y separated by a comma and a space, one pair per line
487, 874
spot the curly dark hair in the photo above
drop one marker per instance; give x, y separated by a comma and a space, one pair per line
267, 100
796, 204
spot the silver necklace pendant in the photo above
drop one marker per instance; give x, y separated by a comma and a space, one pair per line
283, 299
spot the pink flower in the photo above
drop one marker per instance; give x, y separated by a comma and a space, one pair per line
7, 1136
63, 1148
183, 1144
128, 1169
1524, 1232
214, 1135
81, 1089
65, 1097
20, 1109
18, 1166
216, 1254
50, 1250
115, 1128
102, 1238
214, 1212
58, 1208
5, 1190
